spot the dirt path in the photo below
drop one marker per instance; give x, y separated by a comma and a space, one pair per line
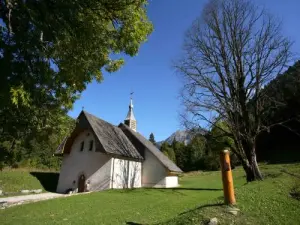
18, 200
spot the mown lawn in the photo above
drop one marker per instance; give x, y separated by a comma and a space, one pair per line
266, 202
198, 199
13, 181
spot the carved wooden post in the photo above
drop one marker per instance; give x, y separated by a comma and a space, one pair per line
228, 188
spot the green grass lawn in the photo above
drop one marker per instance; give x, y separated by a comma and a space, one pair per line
13, 181
198, 199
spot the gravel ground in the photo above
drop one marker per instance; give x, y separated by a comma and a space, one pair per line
17, 200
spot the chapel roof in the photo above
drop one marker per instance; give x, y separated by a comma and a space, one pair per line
118, 141
137, 137
112, 140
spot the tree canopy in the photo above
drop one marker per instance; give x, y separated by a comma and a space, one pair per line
51, 49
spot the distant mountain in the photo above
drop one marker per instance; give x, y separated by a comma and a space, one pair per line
182, 136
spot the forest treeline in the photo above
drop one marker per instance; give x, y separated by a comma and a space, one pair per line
33, 145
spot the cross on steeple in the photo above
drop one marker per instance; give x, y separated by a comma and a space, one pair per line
130, 119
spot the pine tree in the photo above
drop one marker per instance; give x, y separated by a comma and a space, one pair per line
167, 150
152, 139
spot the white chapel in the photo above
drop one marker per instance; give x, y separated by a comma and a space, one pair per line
98, 155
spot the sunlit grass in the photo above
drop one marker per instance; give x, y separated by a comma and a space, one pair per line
198, 199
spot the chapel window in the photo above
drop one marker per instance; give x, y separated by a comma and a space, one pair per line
81, 146
91, 145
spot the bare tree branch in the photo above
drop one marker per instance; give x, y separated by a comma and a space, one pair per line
230, 53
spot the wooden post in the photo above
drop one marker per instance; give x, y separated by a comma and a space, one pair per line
228, 188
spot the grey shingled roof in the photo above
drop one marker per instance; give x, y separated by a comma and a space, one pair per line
111, 138
170, 165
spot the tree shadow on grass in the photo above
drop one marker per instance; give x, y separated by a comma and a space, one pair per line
171, 189
179, 190
48, 180
181, 214
201, 207
189, 189
133, 223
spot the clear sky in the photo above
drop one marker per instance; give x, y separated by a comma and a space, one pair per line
150, 74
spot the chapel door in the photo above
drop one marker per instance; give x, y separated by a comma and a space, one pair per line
81, 183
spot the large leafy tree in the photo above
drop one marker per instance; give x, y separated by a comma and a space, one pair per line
230, 53
51, 49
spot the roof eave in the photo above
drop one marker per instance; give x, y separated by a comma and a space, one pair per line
135, 134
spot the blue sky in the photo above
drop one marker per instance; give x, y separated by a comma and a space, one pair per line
150, 74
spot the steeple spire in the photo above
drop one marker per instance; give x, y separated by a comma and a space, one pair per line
130, 119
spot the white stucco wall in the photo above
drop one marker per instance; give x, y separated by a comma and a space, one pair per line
153, 172
95, 166
171, 181
104, 172
126, 173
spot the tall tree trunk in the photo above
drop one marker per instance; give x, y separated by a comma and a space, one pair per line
250, 164
252, 170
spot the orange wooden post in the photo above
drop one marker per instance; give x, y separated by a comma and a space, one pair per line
228, 188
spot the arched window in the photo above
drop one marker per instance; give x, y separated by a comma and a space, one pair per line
91, 145
81, 146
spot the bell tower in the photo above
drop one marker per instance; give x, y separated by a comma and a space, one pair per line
130, 119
